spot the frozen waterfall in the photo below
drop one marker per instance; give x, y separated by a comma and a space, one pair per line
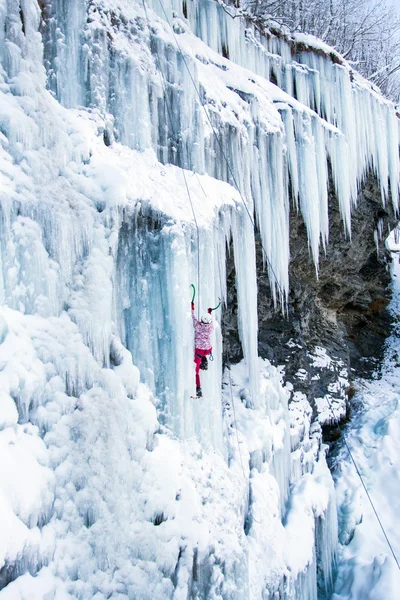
119, 122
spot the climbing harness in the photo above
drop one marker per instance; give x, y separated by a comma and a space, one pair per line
204, 363
271, 269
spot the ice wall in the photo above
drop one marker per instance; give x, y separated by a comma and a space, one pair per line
163, 88
119, 124
308, 70
169, 98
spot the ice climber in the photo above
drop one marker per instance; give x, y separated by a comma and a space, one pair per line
202, 344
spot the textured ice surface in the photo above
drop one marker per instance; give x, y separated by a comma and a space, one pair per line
114, 483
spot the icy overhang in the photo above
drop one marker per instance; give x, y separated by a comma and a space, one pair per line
128, 177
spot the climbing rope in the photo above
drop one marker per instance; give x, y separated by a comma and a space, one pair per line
370, 500
271, 269
229, 368
198, 239
222, 151
218, 261
326, 396
169, 112
234, 417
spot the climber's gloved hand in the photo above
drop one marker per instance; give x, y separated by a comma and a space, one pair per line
192, 305
209, 311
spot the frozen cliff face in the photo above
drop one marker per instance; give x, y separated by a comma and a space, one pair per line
120, 127
344, 310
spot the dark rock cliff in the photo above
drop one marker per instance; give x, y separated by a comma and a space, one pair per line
344, 310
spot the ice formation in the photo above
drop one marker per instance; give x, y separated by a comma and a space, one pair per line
121, 121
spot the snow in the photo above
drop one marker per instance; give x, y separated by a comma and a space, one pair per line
275, 491
332, 406
107, 491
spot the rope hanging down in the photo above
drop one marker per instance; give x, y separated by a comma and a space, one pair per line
164, 86
290, 312
229, 368
326, 396
219, 143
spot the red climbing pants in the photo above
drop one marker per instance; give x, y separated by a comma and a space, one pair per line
198, 354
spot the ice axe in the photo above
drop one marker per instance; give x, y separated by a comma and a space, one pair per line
210, 310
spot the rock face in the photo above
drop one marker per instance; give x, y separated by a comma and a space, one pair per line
342, 310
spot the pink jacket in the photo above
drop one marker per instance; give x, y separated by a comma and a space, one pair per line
202, 333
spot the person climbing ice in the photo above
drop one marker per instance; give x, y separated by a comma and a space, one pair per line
202, 344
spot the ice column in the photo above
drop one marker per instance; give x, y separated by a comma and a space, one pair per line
70, 72
269, 190
157, 262
207, 412
246, 285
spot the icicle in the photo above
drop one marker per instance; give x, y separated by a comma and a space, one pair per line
339, 152
308, 183
326, 535
269, 189
287, 117
322, 175
246, 285
392, 136
280, 463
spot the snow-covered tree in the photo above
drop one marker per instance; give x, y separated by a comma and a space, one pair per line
365, 32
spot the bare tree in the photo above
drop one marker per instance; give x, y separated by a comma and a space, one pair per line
364, 32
